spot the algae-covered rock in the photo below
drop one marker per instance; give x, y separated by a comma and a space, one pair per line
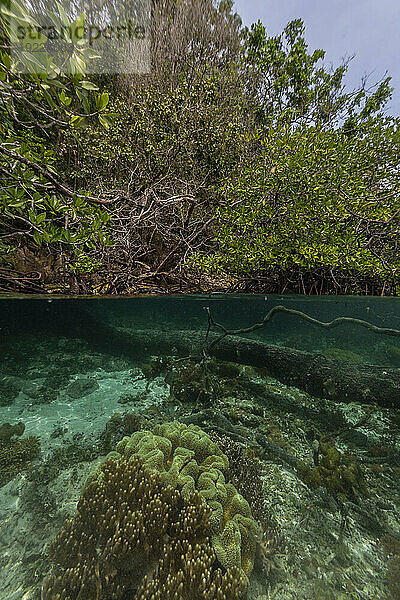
393, 353
186, 458
342, 354
10, 386
41, 393
81, 387
7, 431
187, 383
15, 454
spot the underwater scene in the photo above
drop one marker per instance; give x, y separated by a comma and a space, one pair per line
200, 448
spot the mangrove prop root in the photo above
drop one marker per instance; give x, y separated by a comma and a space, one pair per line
301, 315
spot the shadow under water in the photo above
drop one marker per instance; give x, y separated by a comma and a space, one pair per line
165, 448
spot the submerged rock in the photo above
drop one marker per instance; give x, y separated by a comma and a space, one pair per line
15, 454
81, 387
10, 386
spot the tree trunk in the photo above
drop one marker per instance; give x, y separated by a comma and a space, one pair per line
314, 373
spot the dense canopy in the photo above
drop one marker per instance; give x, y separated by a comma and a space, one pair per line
237, 163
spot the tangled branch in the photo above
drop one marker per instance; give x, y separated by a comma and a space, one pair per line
301, 315
46, 173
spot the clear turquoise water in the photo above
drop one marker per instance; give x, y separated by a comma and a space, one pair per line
72, 369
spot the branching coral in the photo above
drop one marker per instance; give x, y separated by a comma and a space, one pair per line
271, 543
186, 458
134, 536
244, 472
187, 572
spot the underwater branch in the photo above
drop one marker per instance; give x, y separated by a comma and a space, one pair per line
301, 315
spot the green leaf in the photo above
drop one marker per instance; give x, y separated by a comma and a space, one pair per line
76, 120
88, 85
56, 84
38, 238
27, 58
80, 94
66, 235
104, 121
103, 100
5, 59
64, 19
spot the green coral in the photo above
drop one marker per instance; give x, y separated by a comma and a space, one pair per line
15, 454
186, 458
134, 537
188, 383
335, 471
234, 530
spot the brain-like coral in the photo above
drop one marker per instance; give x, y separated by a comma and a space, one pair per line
186, 458
135, 537
183, 455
